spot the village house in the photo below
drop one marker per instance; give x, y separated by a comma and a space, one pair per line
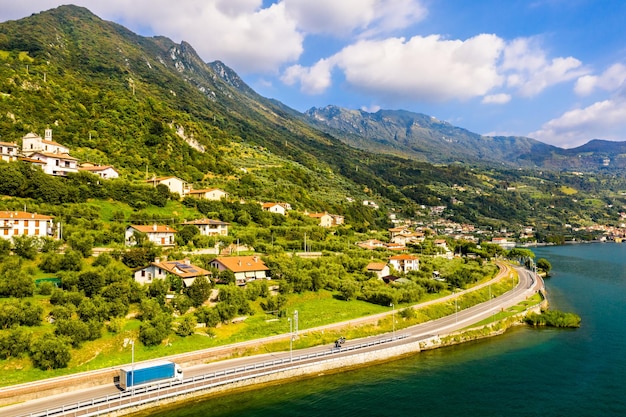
21, 223
59, 164
323, 219
381, 269
158, 269
405, 263
103, 171
32, 143
174, 184
213, 194
9, 151
503, 242
209, 227
160, 235
245, 268
279, 208
371, 244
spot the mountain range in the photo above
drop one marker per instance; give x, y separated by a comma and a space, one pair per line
150, 106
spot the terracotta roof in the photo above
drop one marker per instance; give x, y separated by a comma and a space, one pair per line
153, 228
243, 263
182, 268
32, 160
22, 215
96, 168
51, 142
56, 155
206, 190
316, 215
404, 258
8, 144
163, 179
206, 221
376, 266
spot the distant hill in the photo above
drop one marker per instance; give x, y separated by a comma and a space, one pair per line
422, 137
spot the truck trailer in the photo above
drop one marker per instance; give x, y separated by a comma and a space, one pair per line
149, 373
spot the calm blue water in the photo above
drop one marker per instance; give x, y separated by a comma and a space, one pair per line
525, 372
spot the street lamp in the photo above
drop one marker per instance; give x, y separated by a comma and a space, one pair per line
132, 361
290, 339
456, 309
393, 321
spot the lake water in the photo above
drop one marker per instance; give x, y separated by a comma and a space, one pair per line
526, 372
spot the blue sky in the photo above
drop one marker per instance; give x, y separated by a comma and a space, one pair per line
553, 70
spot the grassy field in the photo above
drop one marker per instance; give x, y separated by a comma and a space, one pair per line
314, 310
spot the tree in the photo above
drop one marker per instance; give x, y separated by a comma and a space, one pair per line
90, 282
25, 246
544, 265
199, 291
14, 343
50, 352
349, 289
186, 325
153, 332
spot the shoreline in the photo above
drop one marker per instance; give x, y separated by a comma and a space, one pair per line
335, 366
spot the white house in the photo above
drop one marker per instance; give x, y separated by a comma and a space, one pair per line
8, 151
158, 269
503, 242
210, 227
59, 164
21, 223
32, 143
160, 235
324, 219
174, 184
275, 208
208, 194
103, 171
245, 268
381, 269
405, 263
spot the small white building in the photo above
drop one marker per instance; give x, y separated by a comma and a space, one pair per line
174, 184
381, 269
405, 263
278, 208
245, 268
210, 227
103, 171
59, 164
21, 223
9, 151
160, 235
158, 269
208, 194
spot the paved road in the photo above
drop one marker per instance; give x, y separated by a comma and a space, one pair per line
527, 286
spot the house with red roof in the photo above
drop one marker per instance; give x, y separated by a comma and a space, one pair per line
21, 223
158, 269
405, 263
210, 227
245, 268
160, 235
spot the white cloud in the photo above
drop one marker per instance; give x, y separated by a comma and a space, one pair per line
501, 98
610, 80
601, 120
529, 70
341, 18
312, 80
422, 68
